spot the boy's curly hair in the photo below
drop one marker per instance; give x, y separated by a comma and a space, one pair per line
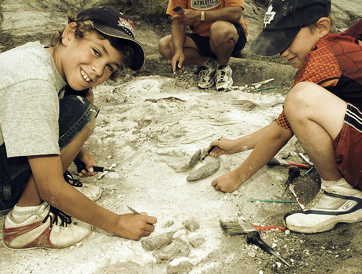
86, 26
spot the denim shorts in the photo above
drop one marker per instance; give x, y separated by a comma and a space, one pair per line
203, 42
75, 113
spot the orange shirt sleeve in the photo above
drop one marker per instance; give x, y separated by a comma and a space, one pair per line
320, 67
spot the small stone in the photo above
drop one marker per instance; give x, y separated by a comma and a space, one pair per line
179, 233
168, 223
196, 240
181, 268
157, 242
191, 224
176, 249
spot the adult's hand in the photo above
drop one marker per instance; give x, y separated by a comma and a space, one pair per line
188, 17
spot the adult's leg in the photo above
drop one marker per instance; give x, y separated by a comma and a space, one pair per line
316, 117
191, 53
223, 38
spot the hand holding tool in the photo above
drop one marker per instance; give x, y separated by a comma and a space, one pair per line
208, 152
178, 10
253, 237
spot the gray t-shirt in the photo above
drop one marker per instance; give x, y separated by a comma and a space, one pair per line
29, 104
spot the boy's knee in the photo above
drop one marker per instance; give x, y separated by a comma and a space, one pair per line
300, 93
299, 96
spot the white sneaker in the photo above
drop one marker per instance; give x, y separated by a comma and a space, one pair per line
91, 191
336, 202
224, 78
207, 77
49, 228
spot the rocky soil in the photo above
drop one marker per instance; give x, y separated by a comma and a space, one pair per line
151, 123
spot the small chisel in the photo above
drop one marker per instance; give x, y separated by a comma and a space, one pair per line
82, 166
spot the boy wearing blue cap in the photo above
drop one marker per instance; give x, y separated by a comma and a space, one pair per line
43, 129
323, 110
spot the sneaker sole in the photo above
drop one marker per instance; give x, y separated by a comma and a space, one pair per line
326, 225
209, 86
225, 88
42, 247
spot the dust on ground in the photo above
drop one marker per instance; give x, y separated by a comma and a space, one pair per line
150, 124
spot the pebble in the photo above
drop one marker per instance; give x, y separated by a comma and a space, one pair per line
181, 268
157, 242
176, 249
191, 224
196, 240
180, 233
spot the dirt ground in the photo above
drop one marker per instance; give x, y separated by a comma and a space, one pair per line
150, 125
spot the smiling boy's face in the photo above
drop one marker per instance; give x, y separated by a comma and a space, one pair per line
298, 50
87, 62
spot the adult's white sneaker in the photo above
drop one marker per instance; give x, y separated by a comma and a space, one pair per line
224, 78
207, 77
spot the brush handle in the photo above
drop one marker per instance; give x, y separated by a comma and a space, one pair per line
265, 228
298, 165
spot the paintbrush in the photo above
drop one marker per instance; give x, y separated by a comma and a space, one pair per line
242, 228
253, 236
276, 162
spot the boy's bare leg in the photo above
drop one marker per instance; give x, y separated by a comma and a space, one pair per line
316, 116
30, 195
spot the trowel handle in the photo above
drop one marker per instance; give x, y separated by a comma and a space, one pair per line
294, 172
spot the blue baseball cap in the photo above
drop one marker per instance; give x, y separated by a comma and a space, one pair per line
283, 20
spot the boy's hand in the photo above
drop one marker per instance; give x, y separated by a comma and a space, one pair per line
88, 160
228, 182
134, 227
223, 146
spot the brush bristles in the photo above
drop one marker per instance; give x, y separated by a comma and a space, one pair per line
232, 228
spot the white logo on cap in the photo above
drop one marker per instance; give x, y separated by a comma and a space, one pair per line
269, 15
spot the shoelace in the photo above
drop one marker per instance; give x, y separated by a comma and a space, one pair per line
220, 76
197, 72
70, 180
66, 219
